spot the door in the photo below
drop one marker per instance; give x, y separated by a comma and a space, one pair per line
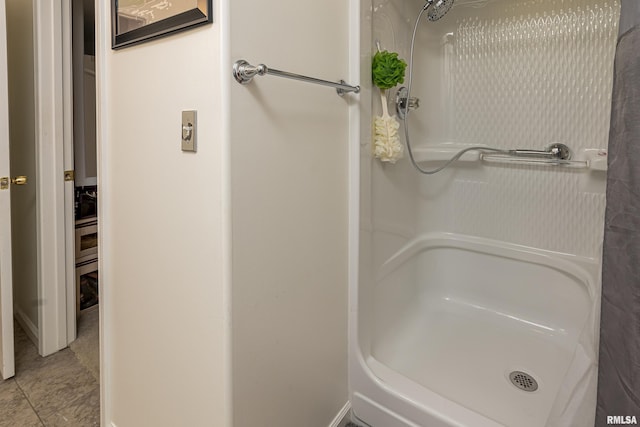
7, 368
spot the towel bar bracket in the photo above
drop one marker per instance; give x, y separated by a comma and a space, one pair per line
244, 72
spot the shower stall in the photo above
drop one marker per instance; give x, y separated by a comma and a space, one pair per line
475, 291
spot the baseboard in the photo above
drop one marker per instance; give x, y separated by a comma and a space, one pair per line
27, 325
342, 419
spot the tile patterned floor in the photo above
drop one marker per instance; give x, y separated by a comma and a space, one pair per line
48, 391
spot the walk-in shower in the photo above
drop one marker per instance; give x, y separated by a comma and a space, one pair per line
476, 291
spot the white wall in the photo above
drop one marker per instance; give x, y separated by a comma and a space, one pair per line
164, 224
289, 148
20, 58
161, 230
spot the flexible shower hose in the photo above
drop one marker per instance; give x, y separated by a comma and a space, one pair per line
406, 117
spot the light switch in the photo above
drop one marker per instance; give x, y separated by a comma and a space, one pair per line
189, 130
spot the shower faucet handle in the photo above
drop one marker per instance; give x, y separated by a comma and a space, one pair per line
402, 102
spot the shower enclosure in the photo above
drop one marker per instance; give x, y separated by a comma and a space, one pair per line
475, 292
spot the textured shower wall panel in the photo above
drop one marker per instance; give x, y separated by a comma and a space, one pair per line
529, 209
539, 73
390, 206
530, 80
508, 74
392, 22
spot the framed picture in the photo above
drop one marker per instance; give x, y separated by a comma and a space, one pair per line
136, 21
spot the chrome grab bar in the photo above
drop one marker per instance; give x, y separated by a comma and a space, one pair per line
244, 72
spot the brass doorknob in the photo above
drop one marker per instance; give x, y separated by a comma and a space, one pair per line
19, 180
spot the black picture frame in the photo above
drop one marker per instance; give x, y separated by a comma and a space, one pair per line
141, 32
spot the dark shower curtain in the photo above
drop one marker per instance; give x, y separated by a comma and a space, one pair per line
619, 364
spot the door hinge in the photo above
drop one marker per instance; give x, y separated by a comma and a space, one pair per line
4, 183
69, 175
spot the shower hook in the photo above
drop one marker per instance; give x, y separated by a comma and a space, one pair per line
401, 103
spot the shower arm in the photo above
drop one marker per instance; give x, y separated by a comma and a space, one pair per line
244, 72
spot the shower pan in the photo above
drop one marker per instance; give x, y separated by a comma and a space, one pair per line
480, 332
475, 291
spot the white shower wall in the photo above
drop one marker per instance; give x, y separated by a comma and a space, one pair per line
507, 74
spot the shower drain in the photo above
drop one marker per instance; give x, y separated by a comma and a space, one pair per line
523, 381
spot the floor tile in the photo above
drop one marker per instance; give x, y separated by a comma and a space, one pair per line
87, 345
57, 390
54, 381
15, 408
80, 411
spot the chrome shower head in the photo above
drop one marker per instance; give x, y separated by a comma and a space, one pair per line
439, 8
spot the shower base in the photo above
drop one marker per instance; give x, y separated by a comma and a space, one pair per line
466, 354
453, 317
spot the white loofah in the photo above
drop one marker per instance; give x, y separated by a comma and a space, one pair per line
386, 142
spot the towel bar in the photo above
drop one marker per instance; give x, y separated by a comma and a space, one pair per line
244, 72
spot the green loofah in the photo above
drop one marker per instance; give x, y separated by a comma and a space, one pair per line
387, 70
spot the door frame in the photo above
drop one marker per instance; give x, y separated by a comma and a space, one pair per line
66, 32
7, 357
54, 155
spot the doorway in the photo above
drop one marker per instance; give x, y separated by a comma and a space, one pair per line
42, 210
50, 387
85, 162
46, 302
